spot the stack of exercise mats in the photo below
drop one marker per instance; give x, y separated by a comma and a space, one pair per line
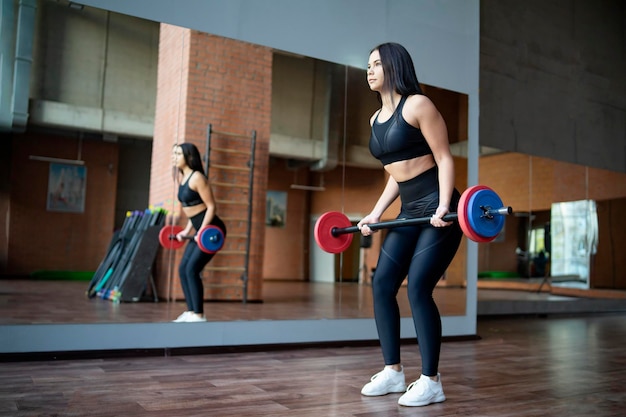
126, 270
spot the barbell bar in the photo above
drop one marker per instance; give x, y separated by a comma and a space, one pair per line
480, 215
210, 238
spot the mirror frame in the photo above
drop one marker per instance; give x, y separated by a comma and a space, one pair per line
294, 26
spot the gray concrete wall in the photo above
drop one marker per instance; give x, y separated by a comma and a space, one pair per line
94, 70
553, 79
442, 36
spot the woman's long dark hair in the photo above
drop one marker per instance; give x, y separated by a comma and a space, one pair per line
192, 156
398, 68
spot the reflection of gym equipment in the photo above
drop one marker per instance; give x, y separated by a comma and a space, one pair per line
481, 217
210, 238
126, 270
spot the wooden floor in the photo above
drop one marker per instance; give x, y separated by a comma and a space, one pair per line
525, 362
525, 366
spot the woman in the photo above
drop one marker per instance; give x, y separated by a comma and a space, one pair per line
410, 138
196, 198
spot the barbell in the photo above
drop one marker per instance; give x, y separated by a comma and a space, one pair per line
210, 238
480, 214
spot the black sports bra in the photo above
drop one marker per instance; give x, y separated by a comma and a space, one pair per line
396, 140
187, 196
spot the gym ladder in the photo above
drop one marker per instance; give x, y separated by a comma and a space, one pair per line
232, 181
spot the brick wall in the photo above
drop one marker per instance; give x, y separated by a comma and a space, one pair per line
204, 79
39, 239
169, 128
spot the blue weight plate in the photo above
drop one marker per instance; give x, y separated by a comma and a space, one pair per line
211, 239
483, 226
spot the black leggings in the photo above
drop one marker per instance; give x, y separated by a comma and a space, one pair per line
423, 253
191, 265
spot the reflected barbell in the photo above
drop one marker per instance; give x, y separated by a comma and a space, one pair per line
210, 238
480, 215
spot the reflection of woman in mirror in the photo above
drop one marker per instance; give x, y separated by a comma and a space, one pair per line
196, 198
409, 137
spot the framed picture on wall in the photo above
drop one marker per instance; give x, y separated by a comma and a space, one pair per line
66, 188
276, 208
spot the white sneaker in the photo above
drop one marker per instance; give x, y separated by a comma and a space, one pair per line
422, 392
194, 318
182, 317
385, 382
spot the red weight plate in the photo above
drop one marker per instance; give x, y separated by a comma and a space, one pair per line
463, 214
323, 232
167, 239
210, 239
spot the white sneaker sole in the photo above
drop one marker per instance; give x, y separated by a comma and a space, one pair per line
393, 390
407, 403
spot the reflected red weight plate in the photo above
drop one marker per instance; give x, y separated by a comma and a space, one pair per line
166, 237
323, 232
464, 211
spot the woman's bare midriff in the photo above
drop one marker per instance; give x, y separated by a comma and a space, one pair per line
405, 170
193, 210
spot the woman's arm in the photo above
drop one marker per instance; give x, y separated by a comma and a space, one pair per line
186, 231
425, 115
200, 184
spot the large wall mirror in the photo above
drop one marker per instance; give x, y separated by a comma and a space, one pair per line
318, 83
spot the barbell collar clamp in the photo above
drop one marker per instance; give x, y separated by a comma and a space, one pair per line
490, 213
